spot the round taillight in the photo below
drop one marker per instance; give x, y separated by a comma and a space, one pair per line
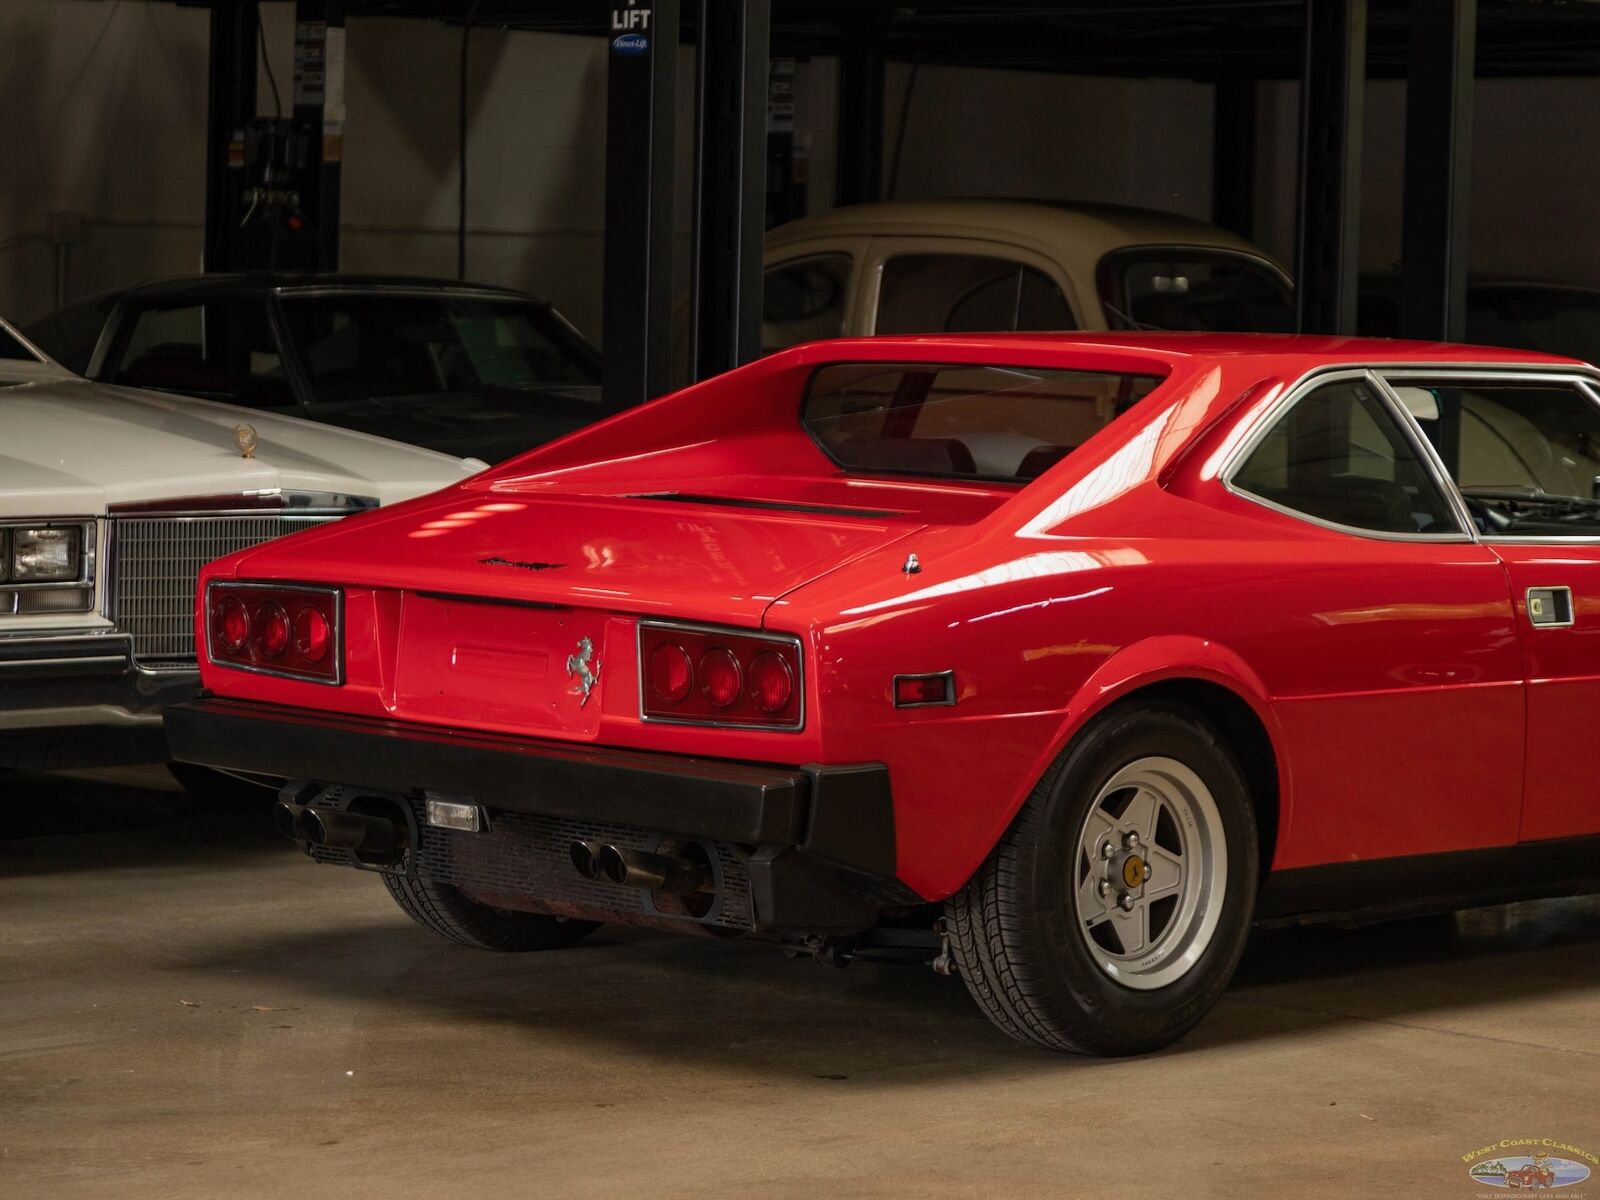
311, 634
671, 673
771, 682
233, 624
272, 630
720, 677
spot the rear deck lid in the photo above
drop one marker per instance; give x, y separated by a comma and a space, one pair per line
685, 556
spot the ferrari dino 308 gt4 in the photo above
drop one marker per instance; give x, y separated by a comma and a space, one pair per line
1055, 661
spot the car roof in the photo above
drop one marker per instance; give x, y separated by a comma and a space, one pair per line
1167, 351
289, 281
1105, 227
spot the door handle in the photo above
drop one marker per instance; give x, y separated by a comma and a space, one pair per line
1550, 607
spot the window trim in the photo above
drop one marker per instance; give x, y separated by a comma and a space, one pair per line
1465, 533
1585, 380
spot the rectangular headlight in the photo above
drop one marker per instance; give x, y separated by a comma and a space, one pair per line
49, 555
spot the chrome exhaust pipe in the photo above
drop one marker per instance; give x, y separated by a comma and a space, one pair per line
336, 830
286, 817
655, 872
586, 858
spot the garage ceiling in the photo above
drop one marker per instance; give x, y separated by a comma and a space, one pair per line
1192, 39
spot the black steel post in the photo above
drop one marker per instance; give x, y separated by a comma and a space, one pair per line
230, 103
319, 117
730, 183
862, 74
1332, 95
1233, 155
641, 99
1433, 232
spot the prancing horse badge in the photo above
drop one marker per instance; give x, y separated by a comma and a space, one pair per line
582, 667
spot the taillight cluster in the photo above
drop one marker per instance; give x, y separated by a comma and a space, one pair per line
719, 677
276, 629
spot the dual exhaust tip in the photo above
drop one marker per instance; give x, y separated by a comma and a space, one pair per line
335, 829
670, 873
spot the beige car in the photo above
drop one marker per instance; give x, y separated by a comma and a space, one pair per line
941, 266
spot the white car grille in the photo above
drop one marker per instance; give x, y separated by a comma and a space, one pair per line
156, 562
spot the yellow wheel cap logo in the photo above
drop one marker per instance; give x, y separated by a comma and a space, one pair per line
1133, 871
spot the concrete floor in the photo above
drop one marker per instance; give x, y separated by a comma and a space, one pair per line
188, 1008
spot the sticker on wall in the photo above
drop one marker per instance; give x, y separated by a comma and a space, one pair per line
630, 44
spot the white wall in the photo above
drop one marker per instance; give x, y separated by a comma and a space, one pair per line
105, 116
1016, 133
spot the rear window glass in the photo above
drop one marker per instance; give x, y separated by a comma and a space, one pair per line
1194, 290
981, 422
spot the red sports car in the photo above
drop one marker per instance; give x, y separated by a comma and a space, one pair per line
1054, 661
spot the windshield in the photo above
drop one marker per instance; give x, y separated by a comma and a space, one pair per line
1555, 320
357, 347
12, 347
1003, 423
1152, 287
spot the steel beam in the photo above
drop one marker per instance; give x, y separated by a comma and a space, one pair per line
230, 103
862, 73
1233, 155
1438, 178
641, 106
1332, 103
319, 115
730, 183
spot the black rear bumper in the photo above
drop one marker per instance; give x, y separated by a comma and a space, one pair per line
824, 835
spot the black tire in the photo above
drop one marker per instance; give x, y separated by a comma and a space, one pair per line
444, 910
1013, 927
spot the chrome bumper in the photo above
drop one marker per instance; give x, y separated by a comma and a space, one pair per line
76, 700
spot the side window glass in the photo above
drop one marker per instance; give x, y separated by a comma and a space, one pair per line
967, 293
1525, 455
221, 349
1339, 455
804, 301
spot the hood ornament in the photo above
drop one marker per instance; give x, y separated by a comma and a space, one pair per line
582, 667
244, 437
913, 565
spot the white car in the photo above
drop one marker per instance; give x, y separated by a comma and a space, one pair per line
111, 499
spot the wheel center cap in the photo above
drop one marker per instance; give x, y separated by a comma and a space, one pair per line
1133, 871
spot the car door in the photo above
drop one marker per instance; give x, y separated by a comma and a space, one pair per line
962, 285
1524, 450
1385, 636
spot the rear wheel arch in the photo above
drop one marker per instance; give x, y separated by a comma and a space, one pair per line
1218, 687
1241, 727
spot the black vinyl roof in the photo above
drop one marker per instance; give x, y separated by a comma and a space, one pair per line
1185, 39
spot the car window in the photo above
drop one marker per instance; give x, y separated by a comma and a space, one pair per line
10, 347
804, 300
967, 293
1007, 423
1185, 289
221, 349
1340, 455
356, 347
1525, 455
